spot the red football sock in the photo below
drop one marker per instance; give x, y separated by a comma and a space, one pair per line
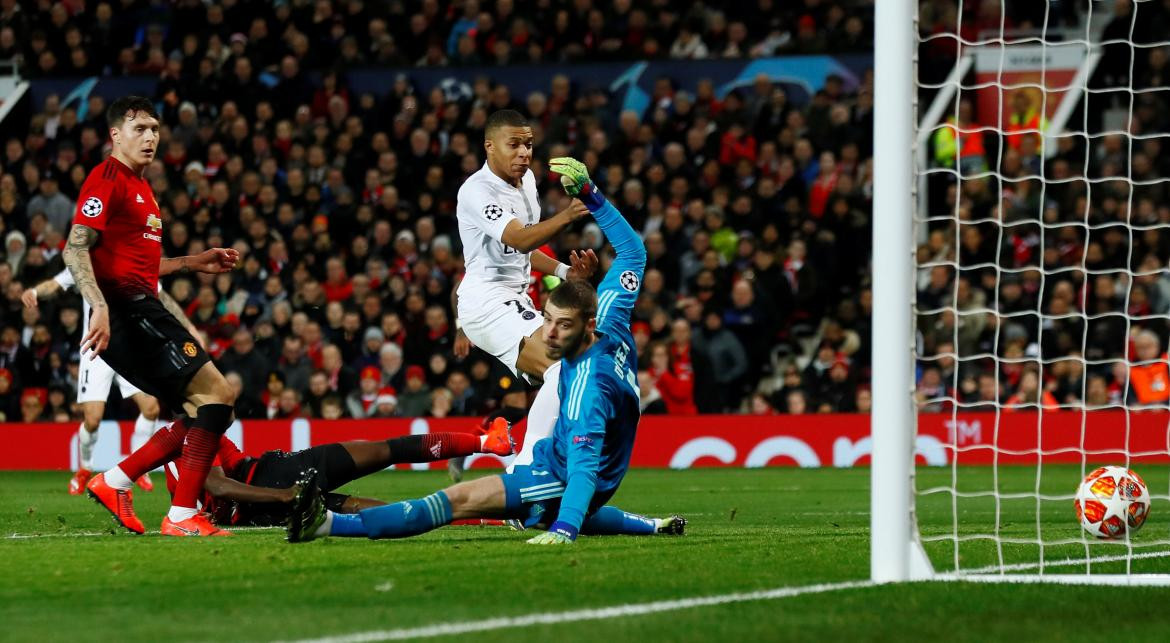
165, 445
432, 446
198, 453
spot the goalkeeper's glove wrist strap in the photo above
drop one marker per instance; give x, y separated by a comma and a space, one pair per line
591, 197
564, 529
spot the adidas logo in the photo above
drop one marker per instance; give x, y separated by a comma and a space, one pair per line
436, 449
139, 198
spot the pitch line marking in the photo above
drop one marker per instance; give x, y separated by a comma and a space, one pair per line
96, 534
552, 618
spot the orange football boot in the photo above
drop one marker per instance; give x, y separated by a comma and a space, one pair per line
198, 525
120, 503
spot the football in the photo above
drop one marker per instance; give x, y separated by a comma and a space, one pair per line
1112, 501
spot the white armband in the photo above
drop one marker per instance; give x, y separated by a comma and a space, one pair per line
562, 271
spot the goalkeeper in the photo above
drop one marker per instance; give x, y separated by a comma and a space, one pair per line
577, 469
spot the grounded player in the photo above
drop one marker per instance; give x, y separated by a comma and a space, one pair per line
577, 469
241, 490
114, 253
500, 228
94, 383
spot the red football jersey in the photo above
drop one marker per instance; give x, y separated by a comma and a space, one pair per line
121, 205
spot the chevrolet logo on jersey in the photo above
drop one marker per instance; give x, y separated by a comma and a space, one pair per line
155, 224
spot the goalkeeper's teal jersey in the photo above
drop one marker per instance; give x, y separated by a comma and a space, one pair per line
589, 449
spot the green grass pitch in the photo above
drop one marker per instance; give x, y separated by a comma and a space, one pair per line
75, 579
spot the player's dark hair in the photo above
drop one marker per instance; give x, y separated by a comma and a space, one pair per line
503, 118
130, 106
576, 294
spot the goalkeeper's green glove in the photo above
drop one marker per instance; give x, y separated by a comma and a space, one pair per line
575, 179
559, 533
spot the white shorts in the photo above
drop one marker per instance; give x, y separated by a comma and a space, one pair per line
496, 320
95, 379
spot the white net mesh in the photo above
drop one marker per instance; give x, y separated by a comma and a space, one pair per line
1043, 291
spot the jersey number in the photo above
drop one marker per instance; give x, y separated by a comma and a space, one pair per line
521, 309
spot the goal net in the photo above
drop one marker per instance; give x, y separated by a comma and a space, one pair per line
1040, 287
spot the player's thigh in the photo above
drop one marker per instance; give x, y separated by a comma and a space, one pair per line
94, 379
533, 357
479, 498
208, 386
501, 328
151, 349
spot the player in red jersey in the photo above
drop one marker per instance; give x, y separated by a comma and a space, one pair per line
243, 490
114, 252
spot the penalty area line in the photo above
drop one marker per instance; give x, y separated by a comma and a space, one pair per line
615, 611
99, 534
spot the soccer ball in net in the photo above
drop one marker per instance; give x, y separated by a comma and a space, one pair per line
1112, 501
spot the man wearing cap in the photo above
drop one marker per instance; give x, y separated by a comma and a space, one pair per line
416, 399
56, 206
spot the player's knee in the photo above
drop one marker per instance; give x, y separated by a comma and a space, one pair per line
148, 407
91, 420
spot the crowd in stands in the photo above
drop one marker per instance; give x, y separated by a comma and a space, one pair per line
755, 210
1065, 279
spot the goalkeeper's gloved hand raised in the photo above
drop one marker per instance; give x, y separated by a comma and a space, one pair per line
559, 533
576, 181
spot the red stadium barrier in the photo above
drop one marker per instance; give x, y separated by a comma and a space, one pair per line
698, 441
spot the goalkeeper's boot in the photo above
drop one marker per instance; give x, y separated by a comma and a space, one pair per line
77, 482
672, 526
145, 483
499, 438
119, 502
308, 509
198, 525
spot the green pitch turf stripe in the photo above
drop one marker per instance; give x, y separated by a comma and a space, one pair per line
616, 611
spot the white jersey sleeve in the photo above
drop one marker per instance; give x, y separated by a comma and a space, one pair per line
64, 279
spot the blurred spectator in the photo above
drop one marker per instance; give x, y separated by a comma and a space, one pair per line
415, 399
675, 385
1149, 377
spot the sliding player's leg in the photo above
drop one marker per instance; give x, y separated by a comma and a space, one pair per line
611, 521
480, 498
369, 457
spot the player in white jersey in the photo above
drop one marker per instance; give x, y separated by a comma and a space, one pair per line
499, 224
94, 382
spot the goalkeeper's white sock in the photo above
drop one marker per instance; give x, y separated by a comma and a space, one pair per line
323, 530
543, 414
143, 429
85, 442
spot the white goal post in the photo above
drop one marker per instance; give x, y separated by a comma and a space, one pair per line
1007, 515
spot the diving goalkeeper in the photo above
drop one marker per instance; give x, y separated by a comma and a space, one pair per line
577, 469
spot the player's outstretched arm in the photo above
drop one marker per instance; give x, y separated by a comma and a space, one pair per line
223, 487
527, 239
631, 252
44, 290
80, 264
212, 261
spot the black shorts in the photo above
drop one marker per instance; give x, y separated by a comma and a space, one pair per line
149, 347
280, 470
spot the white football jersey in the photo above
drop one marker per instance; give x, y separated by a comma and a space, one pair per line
485, 206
